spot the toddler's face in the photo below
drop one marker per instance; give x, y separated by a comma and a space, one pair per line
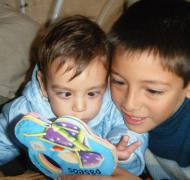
80, 97
145, 92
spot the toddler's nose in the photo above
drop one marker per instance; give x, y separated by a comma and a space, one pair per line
79, 105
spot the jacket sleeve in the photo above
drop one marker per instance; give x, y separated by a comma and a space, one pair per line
9, 146
136, 163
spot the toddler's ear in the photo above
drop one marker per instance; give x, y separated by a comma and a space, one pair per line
42, 84
188, 91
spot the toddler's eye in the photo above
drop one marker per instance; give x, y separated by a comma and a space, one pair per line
65, 94
93, 94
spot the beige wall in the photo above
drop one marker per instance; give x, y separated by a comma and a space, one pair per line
41, 10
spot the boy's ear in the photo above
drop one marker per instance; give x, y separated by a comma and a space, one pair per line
188, 91
42, 83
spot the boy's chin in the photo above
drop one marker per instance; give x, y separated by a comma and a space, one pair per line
138, 128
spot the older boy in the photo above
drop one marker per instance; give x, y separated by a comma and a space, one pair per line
150, 81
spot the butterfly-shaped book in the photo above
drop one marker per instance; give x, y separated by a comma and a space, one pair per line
65, 146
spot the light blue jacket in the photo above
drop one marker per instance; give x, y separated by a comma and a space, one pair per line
107, 124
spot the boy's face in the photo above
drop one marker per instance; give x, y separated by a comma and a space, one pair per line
80, 97
145, 92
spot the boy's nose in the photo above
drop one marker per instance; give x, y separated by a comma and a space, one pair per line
79, 105
131, 102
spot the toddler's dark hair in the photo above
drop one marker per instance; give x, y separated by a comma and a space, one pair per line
75, 37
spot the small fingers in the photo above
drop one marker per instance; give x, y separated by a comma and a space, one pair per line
132, 147
122, 143
125, 152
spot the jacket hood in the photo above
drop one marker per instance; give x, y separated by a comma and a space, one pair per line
38, 102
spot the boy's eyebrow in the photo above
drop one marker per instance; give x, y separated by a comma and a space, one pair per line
156, 82
143, 81
114, 72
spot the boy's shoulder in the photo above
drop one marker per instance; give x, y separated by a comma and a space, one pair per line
15, 108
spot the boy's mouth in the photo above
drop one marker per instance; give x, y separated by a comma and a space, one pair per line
134, 120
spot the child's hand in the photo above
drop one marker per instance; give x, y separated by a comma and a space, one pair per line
125, 151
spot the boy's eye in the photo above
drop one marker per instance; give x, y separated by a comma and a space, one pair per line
92, 94
155, 92
115, 81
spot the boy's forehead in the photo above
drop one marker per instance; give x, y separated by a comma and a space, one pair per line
144, 66
138, 59
134, 55
139, 55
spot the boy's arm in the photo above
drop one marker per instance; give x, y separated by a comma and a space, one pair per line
8, 148
119, 174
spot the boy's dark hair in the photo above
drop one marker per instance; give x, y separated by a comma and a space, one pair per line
161, 27
75, 37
